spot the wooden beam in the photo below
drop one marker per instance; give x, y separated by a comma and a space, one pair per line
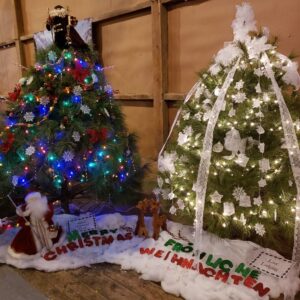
7, 44
160, 80
19, 29
124, 11
174, 96
133, 97
26, 37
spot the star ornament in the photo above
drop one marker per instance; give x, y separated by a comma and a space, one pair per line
257, 201
262, 182
256, 103
216, 197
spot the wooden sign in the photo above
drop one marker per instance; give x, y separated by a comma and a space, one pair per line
272, 265
83, 224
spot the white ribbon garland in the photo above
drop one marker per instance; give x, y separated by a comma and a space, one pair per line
293, 150
187, 98
203, 171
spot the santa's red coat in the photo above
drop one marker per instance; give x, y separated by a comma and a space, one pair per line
24, 241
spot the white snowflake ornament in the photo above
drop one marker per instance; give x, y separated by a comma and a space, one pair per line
216, 197
85, 109
239, 85
77, 90
76, 136
52, 56
44, 100
30, 150
260, 229
29, 116
239, 97
68, 156
238, 192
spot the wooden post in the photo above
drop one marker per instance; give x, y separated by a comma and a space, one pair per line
19, 30
160, 75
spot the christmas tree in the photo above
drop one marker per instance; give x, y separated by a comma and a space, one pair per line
63, 132
232, 162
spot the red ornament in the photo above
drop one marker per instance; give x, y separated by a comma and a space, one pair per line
79, 73
6, 145
15, 94
97, 135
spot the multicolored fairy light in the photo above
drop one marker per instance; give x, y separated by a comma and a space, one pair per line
66, 84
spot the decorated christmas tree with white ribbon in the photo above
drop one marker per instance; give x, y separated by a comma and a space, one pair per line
232, 162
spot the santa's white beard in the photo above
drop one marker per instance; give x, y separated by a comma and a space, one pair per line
37, 207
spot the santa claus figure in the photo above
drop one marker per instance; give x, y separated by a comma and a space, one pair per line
62, 24
37, 231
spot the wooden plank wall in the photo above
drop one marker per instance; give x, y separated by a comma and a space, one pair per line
155, 47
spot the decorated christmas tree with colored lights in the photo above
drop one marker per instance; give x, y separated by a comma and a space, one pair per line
64, 132
232, 162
